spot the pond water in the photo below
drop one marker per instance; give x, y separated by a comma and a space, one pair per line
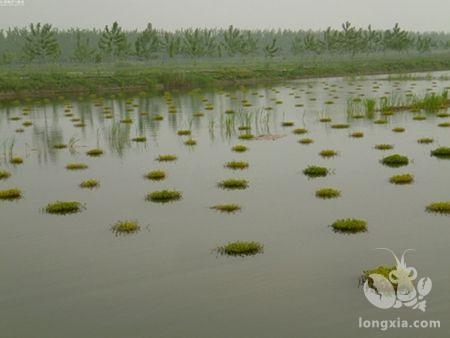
71, 276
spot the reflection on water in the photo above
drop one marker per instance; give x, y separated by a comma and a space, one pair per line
69, 276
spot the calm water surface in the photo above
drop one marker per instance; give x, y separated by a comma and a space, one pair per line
70, 276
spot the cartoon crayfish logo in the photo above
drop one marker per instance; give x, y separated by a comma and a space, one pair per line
398, 289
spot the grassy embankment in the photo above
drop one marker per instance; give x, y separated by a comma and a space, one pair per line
51, 80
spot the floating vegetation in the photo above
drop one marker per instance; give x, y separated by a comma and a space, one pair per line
229, 111
443, 115
425, 140
349, 225
156, 175
357, 134
10, 194
27, 123
325, 119
166, 158
190, 142
384, 146
402, 179
125, 227
198, 114
439, 207
398, 130
139, 139
287, 124
19, 130
306, 141
395, 160
328, 153
60, 146
380, 121
444, 124
79, 125
236, 165
419, 117
441, 152
239, 148
340, 126
16, 160
328, 193
241, 248
183, 132
64, 208
233, 184
157, 117
164, 196
94, 152
315, 171
127, 120
246, 136
230, 208
244, 128
90, 184
76, 166
300, 131
4, 174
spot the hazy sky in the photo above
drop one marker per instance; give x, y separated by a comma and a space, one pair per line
422, 15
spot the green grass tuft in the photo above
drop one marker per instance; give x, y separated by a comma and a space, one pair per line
4, 174
328, 153
441, 152
349, 225
76, 166
395, 161
166, 158
233, 184
230, 208
315, 171
327, 193
402, 179
241, 248
439, 207
155, 175
237, 165
90, 184
94, 152
10, 194
384, 146
125, 227
63, 208
164, 196
425, 140
306, 141
239, 148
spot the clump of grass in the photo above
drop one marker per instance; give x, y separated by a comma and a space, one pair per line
305, 141
183, 132
76, 166
357, 134
166, 158
139, 139
157, 117
340, 126
233, 184
90, 184
241, 248
439, 207
444, 124
380, 121
442, 115
4, 174
63, 208
164, 196
79, 125
349, 225
20, 130
230, 208
127, 120
327, 193
441, 152
239, 148
328, 153
402, 179
10, 194
300, 131
398, 130
27, 123
125, 227
395, 160
60, 146
94, 152
325, 119
16, 160
190, 142
315, 171
287, 124
425, 140
384, 146
236, 165
244, 128
229, 111
419, 118
156, 175
246, 136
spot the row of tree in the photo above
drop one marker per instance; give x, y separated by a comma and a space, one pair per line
43, 43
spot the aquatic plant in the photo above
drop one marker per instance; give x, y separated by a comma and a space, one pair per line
444, 124
79, 125
166, 158
380, 121
327, 193
328, 153
340, 126
27, 123
425, 140
240, 248
60, 146
244, 128
305, 141
236, 165
90, 184
349, 225
156, 175
16, 160
315, 171
300, 131
230, 208
419, 118
63, 208
443, 115
157, 117
125, 227
402, 179
127, 120
398, 129
441, 152
76, 166
229, 111
395, 160
239, 148
357, 134
439, 207
287, 124
246, 136
94, 152
325, 119
233, 184
10, 194
384, 146
183, 132
139, 139
4, 174
163, 196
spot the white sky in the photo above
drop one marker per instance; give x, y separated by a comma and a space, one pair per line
420, 15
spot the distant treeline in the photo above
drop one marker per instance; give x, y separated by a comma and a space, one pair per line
42, 43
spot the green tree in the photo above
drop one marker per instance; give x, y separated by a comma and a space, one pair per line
147, 43
396, 39
83, 51
270, 50
113, 42
171, 44
40, 43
